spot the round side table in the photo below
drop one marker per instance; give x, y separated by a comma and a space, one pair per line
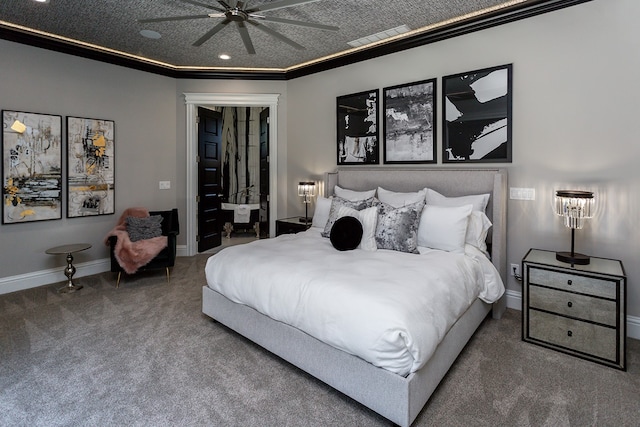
70, 270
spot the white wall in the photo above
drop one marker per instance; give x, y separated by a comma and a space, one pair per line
575, 86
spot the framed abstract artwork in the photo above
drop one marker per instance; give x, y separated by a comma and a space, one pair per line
410, 122
357, 125
31, 167
90, 167
477, 116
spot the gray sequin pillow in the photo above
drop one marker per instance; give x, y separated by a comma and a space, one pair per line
397, 228
144, 228
336, 202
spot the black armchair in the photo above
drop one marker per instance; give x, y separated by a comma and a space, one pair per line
166, 258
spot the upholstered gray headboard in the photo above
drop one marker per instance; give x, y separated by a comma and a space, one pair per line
449, 182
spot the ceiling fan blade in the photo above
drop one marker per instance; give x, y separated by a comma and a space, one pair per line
246, 39
211, 33
299, 23
172, 18
197, 3
276, 35
278, 5
224, 4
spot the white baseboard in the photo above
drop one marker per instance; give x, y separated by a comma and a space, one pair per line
514, 301
181, 250
53, 275
21, 282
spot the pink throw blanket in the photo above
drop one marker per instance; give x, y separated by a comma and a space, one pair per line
133, 255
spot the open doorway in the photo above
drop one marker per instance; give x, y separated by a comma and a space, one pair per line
195, 100
233, 175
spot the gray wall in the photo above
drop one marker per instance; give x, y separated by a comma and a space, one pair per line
149, 113
574, 117
143, 107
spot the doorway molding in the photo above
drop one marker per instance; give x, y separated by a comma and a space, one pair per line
195, 100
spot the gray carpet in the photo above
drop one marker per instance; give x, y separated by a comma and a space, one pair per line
145, 355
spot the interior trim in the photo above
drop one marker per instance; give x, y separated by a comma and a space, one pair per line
195, 100
503, 16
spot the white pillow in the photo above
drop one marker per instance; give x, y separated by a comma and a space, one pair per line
443, 227
321, 214
479, 201
352, 195
368, 218
398, 200
477, 230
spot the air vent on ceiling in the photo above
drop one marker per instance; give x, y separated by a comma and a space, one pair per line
379, 36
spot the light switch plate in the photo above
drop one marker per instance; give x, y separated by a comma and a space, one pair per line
165, 185
516, 193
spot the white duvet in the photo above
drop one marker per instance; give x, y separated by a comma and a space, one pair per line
389, 308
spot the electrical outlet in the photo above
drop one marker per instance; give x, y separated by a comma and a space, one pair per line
515, 270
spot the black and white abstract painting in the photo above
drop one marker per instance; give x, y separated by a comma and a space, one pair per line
357, 124
477, 116
409, 123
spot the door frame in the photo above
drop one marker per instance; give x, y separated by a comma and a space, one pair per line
195, 100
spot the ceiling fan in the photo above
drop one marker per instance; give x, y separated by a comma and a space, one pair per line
242, 14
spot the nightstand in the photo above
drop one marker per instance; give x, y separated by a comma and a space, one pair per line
291, 225
579, 310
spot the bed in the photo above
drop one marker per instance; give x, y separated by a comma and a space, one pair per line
396, 394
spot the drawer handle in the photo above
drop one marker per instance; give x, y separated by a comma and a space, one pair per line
569, 282
569, 333
569, 304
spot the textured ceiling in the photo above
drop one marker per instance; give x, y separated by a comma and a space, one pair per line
114, 25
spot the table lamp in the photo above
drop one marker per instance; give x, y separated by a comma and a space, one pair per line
306, 190
574, 206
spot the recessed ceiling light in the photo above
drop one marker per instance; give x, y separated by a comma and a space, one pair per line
224, 56
150, 34
42, 1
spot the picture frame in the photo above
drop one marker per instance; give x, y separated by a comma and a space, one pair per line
31, 167
90, 167
477, 121
357, 128
410, 123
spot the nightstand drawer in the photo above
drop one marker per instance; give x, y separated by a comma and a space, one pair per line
569, 304
584, 337
573, 282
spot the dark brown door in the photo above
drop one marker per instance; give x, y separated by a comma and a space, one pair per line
264, 173
209, 179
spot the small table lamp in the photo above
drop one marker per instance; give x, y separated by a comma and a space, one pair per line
306, 190
574, 206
